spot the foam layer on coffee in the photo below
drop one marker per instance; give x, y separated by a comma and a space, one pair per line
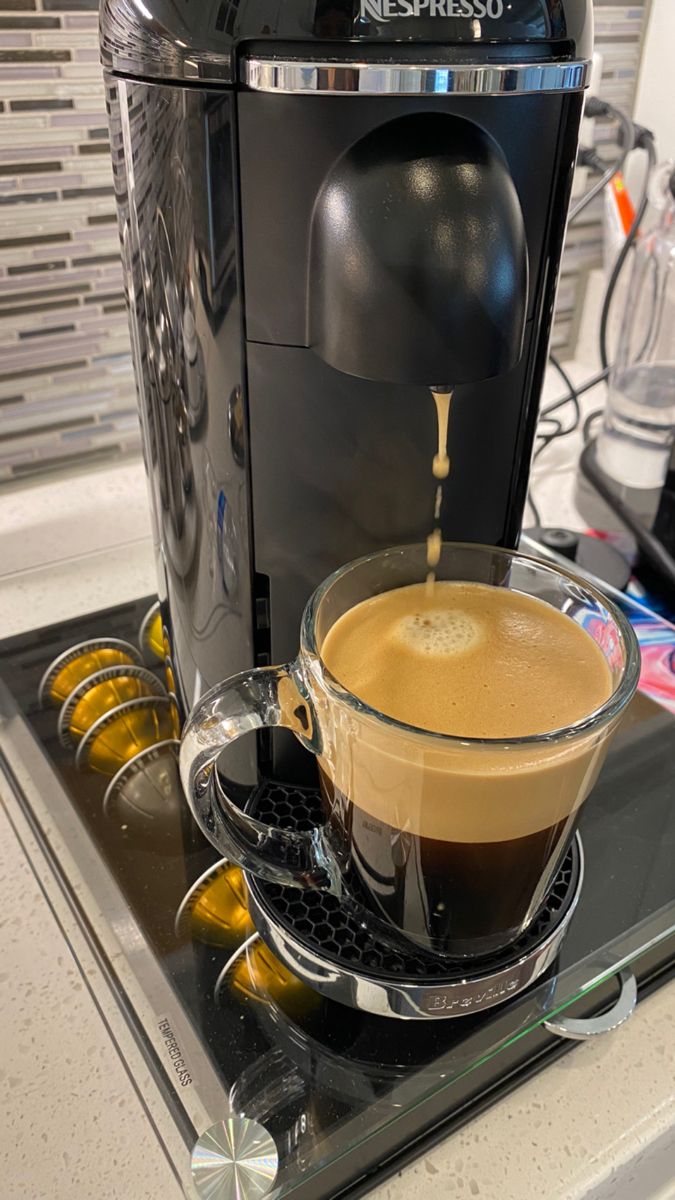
477, 662
469, 660
439, 632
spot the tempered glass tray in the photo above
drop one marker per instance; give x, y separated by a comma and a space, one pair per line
341, 1093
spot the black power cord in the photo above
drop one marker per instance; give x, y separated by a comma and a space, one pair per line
546, 415
600, 108
572, 396
644, 140
653, 550
633, 136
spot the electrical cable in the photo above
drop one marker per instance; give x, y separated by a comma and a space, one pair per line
572, 396
546, 417
593, 381
592, 416
535, 511
600, 108
645, 141
546, 440
652, 548
632, 136
577, 391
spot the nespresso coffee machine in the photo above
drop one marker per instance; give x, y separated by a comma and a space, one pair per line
229, 1038
326, 209
325, 212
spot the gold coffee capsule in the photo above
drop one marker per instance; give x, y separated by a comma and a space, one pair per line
84, 659
151, 636
101, 692
121, 734
260, 975
146, 792
175, 718
256, 973
215, 909
169, 676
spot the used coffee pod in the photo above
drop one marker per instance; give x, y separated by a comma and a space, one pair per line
146, 795
84, 659
151, 636
215, 909
100, 693
120, 735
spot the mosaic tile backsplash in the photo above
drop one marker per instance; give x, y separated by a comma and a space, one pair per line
66, 380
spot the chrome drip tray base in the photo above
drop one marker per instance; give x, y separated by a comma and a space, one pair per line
332, 952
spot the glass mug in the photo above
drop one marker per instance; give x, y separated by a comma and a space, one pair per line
446, 842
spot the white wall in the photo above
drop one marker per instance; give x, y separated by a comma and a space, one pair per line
655, 101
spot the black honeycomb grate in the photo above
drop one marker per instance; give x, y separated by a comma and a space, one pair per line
322, 924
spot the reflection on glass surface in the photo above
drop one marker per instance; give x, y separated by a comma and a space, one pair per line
214, 910
180, 266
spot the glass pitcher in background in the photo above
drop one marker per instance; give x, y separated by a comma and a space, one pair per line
635, 444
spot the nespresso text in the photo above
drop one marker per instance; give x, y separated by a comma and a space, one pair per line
385, 10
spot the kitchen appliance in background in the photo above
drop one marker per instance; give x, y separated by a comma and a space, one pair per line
325, 210
635, 443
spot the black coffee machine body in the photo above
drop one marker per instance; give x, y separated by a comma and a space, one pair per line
326, 208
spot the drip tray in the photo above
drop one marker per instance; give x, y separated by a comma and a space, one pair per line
331, 951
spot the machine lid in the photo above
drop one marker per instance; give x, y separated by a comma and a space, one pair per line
183, 41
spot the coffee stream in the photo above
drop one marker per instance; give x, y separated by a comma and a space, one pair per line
441, 470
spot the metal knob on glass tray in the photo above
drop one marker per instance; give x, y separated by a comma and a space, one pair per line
215, 909
121, 734
100, 693
80, 661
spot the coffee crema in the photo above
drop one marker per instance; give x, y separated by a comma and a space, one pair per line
470, 660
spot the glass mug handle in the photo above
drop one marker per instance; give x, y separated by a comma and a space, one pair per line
264, 698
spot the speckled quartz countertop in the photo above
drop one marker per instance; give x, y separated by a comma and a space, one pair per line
81, 1115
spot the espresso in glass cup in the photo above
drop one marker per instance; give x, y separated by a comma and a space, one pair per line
458, 731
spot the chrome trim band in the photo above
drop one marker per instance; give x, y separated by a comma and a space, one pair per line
289, 77
407, 999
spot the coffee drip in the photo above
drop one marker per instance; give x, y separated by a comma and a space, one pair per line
440, 468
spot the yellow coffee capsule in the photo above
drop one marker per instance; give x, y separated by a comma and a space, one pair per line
101, 692
215, 909
256, 974
151, 636
175, 718
84, 659
169, 676
122, 733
